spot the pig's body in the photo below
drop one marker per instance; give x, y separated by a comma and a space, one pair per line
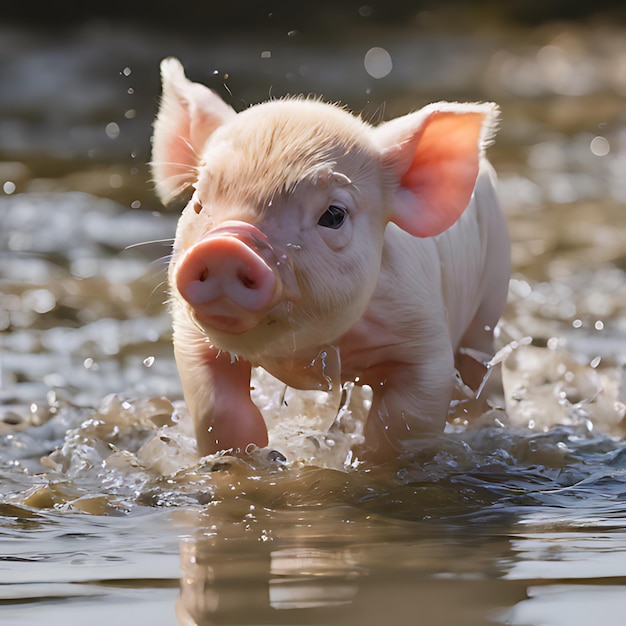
312, 236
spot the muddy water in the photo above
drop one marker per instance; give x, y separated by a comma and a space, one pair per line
515, 515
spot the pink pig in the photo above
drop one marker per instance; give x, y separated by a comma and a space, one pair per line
309, 230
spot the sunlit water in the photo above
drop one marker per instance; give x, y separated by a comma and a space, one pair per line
515, 515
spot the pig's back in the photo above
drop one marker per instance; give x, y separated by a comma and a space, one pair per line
475, 259
450, 276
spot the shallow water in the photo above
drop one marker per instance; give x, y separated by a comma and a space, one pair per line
514, 516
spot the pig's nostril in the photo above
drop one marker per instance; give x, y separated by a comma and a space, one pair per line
204, 275
247, 281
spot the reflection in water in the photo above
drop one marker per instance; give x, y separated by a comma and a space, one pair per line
563, 605
219, 587
304, 577
575, 574
481, 568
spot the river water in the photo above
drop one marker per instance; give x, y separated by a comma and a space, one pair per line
516, 515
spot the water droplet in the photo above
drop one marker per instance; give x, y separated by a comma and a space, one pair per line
39, 300
112, 130
600, 146
595, 362
116, 181
148, 361
599, 325
276, 457
9, 187
90, 364
377, 62
329, 368
130, 114
266, 54
127, 71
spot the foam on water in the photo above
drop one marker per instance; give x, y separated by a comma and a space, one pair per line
131, 453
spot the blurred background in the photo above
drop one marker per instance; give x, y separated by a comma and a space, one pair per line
79, 83
79, 89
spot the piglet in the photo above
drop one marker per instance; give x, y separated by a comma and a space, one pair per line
311, 232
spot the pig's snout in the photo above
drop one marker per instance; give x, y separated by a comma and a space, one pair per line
224, 267
227, 281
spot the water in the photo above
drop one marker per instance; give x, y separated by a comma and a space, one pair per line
514, 516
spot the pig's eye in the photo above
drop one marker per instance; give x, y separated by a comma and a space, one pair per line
333, 217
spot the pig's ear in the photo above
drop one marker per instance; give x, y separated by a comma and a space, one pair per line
188, 114
432, 158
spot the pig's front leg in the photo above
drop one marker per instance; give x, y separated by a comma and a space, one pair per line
409, 401
217, 393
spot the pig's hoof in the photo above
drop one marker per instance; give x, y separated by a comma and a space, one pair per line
277, 457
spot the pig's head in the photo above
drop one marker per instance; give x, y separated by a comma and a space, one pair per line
280, 245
